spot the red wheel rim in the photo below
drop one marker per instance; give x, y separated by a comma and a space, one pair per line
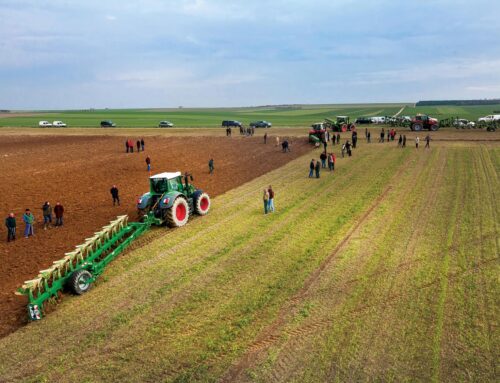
180, 212
204, 204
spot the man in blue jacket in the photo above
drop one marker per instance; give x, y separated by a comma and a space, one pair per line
10, 223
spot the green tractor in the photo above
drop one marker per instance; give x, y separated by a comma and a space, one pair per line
172, 201
340, 125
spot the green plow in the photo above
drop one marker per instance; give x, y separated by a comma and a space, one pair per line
82, 266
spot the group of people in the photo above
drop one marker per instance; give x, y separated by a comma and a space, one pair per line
316, 166
268, 199
29, 220
129, 145
391, 135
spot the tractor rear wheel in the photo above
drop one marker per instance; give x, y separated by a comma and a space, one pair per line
178, 214
434, 127
416, 127
80, 282
202, 204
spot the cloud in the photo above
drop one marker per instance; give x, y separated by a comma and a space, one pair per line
110, 17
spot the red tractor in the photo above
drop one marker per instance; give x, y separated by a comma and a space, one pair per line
421, 121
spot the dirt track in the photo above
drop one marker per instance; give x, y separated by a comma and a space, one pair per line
79, 171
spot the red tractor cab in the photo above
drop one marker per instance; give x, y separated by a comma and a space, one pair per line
422, 121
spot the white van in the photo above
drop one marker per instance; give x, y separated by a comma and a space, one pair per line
378, 120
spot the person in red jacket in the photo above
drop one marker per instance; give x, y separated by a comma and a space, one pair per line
59, 211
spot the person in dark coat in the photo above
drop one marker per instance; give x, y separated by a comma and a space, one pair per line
317, 168
114, 194
138, 144
354, 139
265, 138
404, 140
10, 224
142, 144
211, 165
323, 157
47, 214
148, 163
312, 165
338, 138
382, 135
400, 141
126, 146
368, 137
59, 211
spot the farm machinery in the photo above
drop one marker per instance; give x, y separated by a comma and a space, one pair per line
341, 124
422, 121
169, 201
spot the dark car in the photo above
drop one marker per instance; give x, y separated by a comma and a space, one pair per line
261, 124
107, 124
363, 120
231, 123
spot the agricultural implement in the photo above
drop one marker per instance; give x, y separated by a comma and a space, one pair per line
169, 201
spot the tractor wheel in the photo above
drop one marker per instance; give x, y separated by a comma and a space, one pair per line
80, 282
416, 127
434, 127
202, 204
178, 214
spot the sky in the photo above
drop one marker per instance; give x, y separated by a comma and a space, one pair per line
71, 54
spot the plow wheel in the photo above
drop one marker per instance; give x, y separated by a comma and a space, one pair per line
202, 204
178, 214
80, 282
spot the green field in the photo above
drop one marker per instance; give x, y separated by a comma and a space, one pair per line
385, 271
300, 115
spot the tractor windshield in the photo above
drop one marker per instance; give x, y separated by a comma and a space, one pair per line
159, 185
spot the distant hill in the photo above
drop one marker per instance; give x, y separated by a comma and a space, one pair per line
494, 101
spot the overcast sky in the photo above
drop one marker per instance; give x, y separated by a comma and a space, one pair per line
79, 54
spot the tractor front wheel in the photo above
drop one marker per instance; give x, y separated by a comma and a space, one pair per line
178, 214
416, 127
80, 282
202, 204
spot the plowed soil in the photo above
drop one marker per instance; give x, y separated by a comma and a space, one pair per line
78, 171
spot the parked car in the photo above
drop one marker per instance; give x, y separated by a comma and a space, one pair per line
378, 120
59, 124
231, 123
261, 124
44, 124
363, 120
490, 118
165, 124
107, 124
463, 123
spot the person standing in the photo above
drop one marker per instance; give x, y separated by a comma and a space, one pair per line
270, 207
138, 144
265, 198
400, 141
427, 141
277, 141
29, 220
322, 157
330, 162
211, 165
312, 165
126, 146
417, 140
148, 163
10, 224
338, 138
327, 136
317, 168
354, 139
142, 144
382, 135
47, 214
368, 137
265, 138
348, 148
59, 211
404, 140
114, 194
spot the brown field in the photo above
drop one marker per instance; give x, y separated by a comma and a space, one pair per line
78, 171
